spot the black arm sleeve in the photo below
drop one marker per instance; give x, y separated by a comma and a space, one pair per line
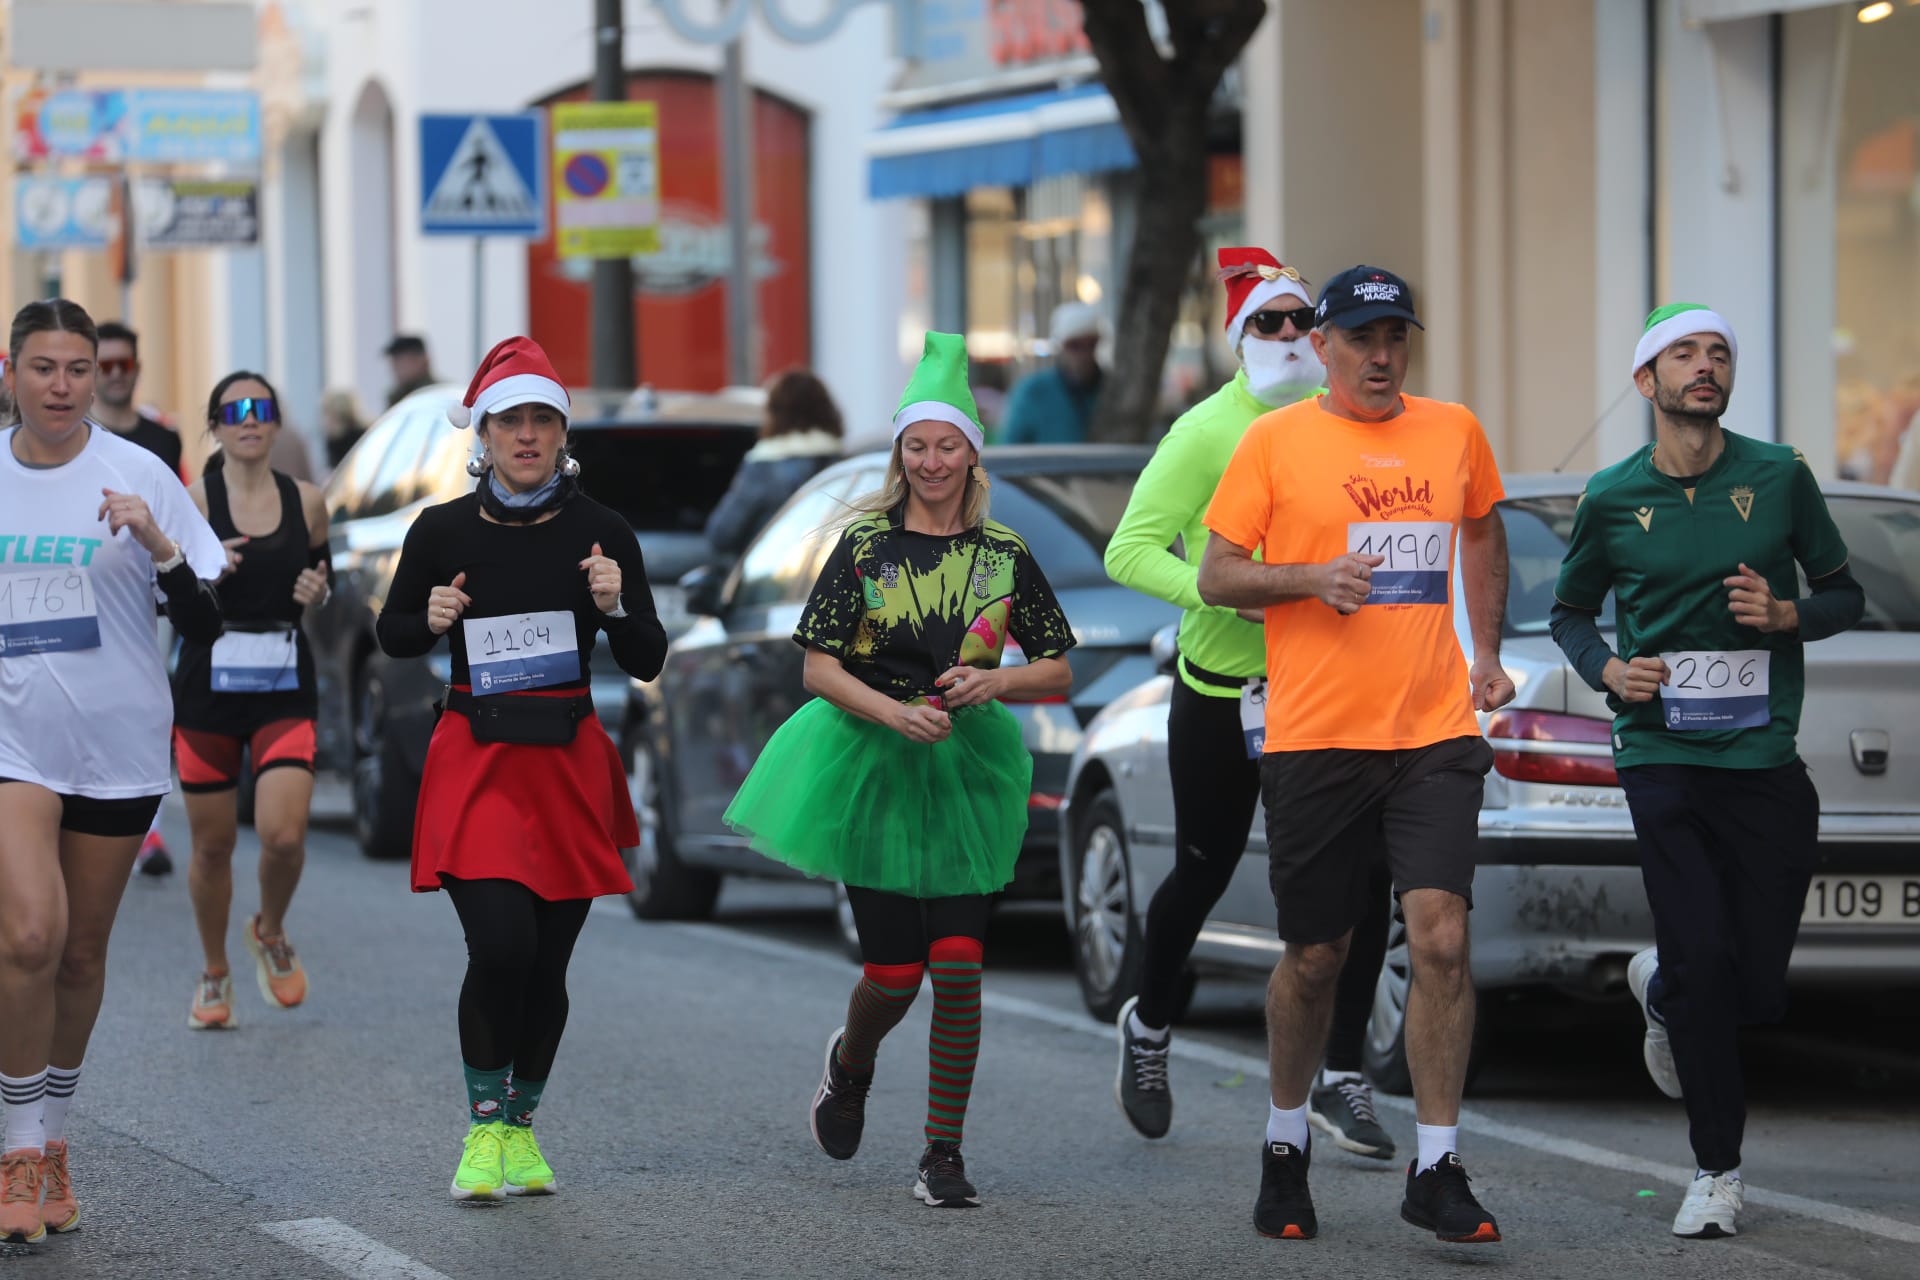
192, 607
402, 628
638, 641
1838, 603
1577, 633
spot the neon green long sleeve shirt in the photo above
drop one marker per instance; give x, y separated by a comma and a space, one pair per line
1170, 500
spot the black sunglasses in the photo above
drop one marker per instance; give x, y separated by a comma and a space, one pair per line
1269, 323
263, 409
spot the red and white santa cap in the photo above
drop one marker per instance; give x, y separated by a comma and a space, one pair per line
515, 372
1254, 278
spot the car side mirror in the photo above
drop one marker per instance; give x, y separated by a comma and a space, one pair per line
702, 587
1164, 648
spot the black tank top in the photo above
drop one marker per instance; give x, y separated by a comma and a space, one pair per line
257, 596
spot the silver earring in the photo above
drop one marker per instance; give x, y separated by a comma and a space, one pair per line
569, 465
478, 466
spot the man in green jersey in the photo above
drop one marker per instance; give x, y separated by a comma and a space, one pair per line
1697, 536
1215, 721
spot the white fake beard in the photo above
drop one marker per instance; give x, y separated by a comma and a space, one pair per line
1273, 378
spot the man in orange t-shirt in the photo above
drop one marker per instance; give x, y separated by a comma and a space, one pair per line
1353, 501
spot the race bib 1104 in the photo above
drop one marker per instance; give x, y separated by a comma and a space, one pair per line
525, 652
1711, 690
1416, 556
47, 611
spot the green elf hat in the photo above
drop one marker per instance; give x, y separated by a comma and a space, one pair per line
1676, 320
938, 390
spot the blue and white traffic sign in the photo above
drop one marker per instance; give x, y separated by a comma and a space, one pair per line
483, 175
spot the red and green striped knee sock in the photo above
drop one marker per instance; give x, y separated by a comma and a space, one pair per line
885, 993
954, 1043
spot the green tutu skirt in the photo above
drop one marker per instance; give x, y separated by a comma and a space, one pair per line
841, 798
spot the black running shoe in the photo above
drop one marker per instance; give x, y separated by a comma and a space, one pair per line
839, 1110
1438, 1200
153, 858
1141, 1086
1284, 1210
943, 1178
1344, 1112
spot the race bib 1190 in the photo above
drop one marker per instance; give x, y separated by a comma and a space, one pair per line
1711, 690
47, 611
524, 652
1416, 559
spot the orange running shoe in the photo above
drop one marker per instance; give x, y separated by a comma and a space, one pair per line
20, 1221
58, 1209
213, 1004
282, 981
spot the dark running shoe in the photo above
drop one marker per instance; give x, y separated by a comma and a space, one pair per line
1344, 1112
153, 858
1438, 1200
1284, 1210
1141, 1086
839, 1110
943, 1178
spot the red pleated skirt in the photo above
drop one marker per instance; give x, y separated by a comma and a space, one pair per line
553, 818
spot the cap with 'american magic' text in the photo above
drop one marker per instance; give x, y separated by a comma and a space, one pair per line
1361, 295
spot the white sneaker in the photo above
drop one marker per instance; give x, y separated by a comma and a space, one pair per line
1711, 1208
1656, 1049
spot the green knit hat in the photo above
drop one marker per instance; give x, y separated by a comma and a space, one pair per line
938, 390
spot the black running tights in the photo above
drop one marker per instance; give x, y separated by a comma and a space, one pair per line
513, 1005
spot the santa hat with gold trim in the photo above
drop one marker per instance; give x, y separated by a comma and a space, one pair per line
1254, 278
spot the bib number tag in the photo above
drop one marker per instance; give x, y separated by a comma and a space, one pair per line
1253, 716
47, 611
524, 652
1416, 559
255, 662
1712, 690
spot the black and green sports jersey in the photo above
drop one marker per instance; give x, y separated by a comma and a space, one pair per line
1666, 552
900, 608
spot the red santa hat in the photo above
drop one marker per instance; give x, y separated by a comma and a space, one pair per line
515, 372
1254, 278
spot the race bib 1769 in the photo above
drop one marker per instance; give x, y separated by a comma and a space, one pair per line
47, 610
1712, 690
1416, 558
524, 652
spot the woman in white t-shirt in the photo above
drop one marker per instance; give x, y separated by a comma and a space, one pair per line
92, 529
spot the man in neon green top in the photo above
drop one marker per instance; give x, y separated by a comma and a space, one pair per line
1215, 724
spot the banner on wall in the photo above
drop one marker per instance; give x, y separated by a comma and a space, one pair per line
63, 213
174, 213
152, 126
606, 179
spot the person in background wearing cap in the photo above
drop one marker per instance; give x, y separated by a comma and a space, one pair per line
905, 778
1353, 501
523, 803
1696, 536
1214, 723
1055, 405
407, 356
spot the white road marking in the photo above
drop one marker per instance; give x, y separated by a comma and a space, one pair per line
347, 1251
1255, 1068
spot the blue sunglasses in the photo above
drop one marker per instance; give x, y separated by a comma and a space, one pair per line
263, 409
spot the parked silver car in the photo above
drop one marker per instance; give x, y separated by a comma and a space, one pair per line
1558, 901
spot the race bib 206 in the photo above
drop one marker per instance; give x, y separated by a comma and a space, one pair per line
1711, 690
525, 652
1416, 559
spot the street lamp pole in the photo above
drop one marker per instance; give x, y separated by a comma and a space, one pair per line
613, 300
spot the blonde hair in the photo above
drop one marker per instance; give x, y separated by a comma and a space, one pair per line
894, 491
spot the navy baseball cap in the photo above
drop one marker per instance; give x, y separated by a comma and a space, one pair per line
1360, 295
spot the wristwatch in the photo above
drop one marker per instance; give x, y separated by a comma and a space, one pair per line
172, 562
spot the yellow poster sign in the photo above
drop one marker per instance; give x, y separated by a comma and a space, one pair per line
606, 179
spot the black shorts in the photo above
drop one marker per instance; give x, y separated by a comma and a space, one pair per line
1333, 814
88, 817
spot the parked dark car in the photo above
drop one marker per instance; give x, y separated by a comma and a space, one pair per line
735, 675
662, 460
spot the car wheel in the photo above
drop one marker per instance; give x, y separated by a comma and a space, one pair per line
1108, 950
664, 888
843, 924
385, 789
1384, 1052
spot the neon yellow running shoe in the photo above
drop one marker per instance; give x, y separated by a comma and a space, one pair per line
482, 1171
528, 1173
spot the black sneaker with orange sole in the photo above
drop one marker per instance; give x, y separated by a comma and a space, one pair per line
1439, 1200
1284, 1210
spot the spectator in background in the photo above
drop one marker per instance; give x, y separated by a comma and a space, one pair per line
799, 438
113, 406
1055, 405
407, 355
340, 420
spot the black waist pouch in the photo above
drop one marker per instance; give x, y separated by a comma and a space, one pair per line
533, 722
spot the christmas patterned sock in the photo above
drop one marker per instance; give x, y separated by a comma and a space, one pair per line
885, 993
953, 1045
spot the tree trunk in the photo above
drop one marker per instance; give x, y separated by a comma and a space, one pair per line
1166, 239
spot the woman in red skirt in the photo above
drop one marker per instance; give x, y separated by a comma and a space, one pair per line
524, 806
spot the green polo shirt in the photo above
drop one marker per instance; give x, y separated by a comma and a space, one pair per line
1665, 553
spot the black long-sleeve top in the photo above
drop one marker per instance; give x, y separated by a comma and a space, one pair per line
515, 569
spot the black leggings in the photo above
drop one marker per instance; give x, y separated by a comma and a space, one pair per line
513, 1004
1215, 789
896, 929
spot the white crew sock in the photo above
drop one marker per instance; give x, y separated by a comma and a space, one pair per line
1435, 1141
1135, 1027
1287, 1125
23, 1097
61, 1082
1330, 1078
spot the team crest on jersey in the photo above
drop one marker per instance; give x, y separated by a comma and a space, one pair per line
980, 581
1645, 516
1742, 501
889, 575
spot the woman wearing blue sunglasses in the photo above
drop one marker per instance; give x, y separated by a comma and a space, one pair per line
253, 688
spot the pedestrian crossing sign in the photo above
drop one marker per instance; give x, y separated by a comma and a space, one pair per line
483, 175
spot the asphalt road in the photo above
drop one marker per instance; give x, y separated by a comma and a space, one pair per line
319, 1142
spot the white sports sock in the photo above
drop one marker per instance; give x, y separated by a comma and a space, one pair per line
1435, 1141
1330, 1078
61, 1082
1135, 1027
1288, 1125
23, 1097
